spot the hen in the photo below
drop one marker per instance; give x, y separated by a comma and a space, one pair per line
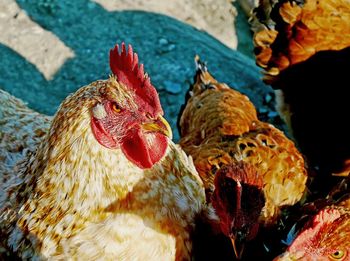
326, 236
304, 48
21, 130
104, 182
249, 168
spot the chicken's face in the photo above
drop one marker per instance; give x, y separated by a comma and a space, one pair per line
117, 123
128, 114
238, 200
326, 238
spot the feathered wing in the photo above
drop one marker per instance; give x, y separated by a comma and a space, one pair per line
21, 130
219, 126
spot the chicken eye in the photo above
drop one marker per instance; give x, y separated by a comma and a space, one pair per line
211, 87
208, 86
115, 107
337, 255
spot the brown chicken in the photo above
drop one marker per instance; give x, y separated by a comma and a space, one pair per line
103, 181
304, 48
326, 236
220, 130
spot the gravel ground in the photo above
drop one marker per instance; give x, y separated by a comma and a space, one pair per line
60, 46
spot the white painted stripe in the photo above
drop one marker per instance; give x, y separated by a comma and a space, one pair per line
216, 17
40, 47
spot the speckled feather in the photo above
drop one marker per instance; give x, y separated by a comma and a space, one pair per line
21, 130
219, 126
304, 48
289, 32
73, 198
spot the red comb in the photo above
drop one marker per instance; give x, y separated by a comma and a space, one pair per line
125, 66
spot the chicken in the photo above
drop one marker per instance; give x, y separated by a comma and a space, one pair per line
326, 236
248, 167
105, 182
15, 145
304, 48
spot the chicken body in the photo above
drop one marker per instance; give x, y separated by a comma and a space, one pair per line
220, 129
304, 48
84, 193
30, 128
326, 236
219, 126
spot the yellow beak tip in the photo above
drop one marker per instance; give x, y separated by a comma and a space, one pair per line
160, 125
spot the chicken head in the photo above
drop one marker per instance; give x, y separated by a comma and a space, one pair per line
238, 200
129, 117
326, 237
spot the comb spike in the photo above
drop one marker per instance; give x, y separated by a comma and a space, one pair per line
125, 67
117, 49
147, 81
140, 72
135, 61
123, 50
129, 57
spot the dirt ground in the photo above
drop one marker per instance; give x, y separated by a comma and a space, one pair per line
48, 53
50, 48
215, 17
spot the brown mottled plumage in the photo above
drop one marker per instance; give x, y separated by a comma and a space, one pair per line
290, 32
219, 127
304, 48
74, 198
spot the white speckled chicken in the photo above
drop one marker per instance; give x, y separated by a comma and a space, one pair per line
100, 181
21, 130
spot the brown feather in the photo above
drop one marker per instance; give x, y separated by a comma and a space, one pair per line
219, 126
304, 48
298, 31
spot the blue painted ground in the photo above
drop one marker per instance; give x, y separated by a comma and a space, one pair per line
165, 46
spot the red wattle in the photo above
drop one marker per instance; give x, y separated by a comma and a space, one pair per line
101, 135
143, 150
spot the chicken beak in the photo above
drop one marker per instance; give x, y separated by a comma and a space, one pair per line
238, 247
159, 125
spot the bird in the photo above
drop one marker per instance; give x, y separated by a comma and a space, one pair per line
101, 179
249, 168
326, 234
303, 47
15, 139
